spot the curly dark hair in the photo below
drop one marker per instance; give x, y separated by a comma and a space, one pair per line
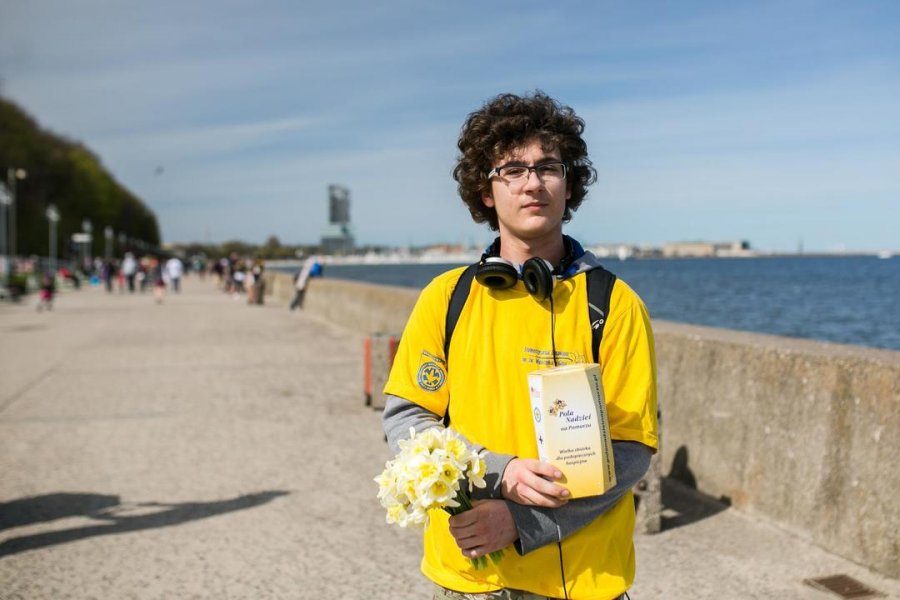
506, 123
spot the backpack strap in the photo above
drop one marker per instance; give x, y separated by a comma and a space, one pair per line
458, 298
457, 301
600, 283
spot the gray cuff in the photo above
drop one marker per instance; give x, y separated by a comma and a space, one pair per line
541, 526
401, 414
535, 525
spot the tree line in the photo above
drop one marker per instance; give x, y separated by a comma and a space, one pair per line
271, 249
66, 174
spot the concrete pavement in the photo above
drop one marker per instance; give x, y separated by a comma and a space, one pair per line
203, 448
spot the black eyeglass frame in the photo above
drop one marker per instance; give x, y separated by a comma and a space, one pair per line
529, 169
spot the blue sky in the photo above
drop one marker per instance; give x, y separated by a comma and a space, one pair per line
775, 122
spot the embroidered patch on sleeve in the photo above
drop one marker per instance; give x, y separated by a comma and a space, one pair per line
431, 375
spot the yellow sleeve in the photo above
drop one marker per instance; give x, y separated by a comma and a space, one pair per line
419, 372
628, 360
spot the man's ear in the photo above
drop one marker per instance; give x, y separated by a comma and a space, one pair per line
568, 190
487, 199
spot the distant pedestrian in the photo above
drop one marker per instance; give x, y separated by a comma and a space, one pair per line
257, 285
198, 265
174, 271
48, 290
238, 278
129, 270
218, 268
108, 272
70, 276
311, 268
159, 282
146, 269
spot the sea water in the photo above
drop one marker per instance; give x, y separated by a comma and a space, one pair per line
847, 299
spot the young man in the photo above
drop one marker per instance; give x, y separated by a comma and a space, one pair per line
523, 169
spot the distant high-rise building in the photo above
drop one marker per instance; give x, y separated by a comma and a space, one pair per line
338, 236
339, 205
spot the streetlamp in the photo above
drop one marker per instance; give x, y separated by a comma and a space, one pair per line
108, 234
53, 219
12, 175
87, 261
5, 200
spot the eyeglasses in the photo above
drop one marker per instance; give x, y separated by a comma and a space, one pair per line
518, 174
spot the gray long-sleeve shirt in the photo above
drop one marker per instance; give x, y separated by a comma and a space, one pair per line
536, 526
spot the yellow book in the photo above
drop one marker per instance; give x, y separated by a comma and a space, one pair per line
571, 427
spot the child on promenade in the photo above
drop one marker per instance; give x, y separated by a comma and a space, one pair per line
47, 291
159, 282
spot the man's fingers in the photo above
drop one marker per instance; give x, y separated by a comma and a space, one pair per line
542, 476
467, 542
547, 501
463, 519
545, 470
547, 488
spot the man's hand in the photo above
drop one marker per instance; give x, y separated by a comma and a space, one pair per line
486, 528
529, 481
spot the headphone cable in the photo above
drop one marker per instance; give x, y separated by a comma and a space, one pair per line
553, 331
562, 569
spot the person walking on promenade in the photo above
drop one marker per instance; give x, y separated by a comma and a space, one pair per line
48, 290
218, 268
523, 169
146, 270
311, 268
174, 271
158, 276
257, 290
238, 279
129, 269
108, 272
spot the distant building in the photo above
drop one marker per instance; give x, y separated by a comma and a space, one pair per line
620, 251
337, 238
705, 249
624, 251
338, 205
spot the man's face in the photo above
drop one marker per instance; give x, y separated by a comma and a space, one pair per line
531, 209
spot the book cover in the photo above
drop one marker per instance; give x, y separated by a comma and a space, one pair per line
571, 427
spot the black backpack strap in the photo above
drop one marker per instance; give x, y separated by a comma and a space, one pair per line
600, 283
457, 301
458, 298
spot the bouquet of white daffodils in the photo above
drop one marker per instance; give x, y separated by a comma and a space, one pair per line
426, 474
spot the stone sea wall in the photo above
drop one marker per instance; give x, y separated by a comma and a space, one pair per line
803, 433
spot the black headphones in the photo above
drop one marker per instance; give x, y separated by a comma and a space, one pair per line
538, 274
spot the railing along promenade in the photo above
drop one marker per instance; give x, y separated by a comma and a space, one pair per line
803, 433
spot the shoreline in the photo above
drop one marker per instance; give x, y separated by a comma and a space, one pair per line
469, 258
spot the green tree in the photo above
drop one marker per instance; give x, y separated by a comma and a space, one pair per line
71, 177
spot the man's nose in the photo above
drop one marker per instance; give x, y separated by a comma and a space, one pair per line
533, 181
